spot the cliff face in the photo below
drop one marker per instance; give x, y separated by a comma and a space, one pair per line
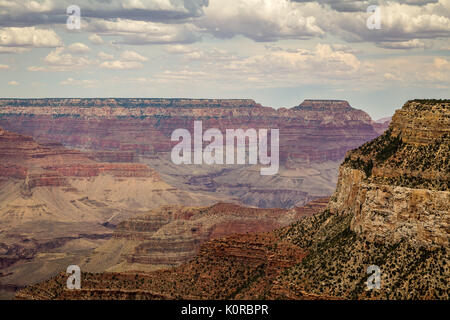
314, 138
397, 186
422, 122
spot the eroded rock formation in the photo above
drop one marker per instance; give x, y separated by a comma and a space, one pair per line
171, 235
314, 138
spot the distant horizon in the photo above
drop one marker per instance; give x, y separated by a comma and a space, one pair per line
210, 98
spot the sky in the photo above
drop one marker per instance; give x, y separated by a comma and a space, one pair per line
277, 52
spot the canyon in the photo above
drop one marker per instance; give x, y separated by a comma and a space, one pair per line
390, 209
314, 137
90, 181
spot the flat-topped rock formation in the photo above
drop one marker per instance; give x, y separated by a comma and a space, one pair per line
324, 105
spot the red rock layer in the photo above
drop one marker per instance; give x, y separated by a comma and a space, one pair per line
315, 131
50, 164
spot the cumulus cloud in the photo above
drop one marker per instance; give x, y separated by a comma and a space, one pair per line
261, 20
79, 48
29, 37
343, 5
361, 5
143, 32
88, 83
60, 59
95, 39
128, 60
121, 65
178, 49
143, 22
441, 63
206, 56
273, 20
322, 61
132, 56
105, 56
399, 22
75, 57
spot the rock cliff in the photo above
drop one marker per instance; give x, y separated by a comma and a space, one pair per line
397, 186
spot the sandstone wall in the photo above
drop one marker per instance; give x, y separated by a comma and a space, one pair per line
387, 213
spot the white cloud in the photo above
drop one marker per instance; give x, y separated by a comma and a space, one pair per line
61, 60
90, 83
96, 39
29, 37
261, 20
272, 20
121, 65
26, 12
128, 60
143, 32
59, 57
399, 22
178, 49
132, 56
390, 76
317, 63
36, 69
79, 48
105, 56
